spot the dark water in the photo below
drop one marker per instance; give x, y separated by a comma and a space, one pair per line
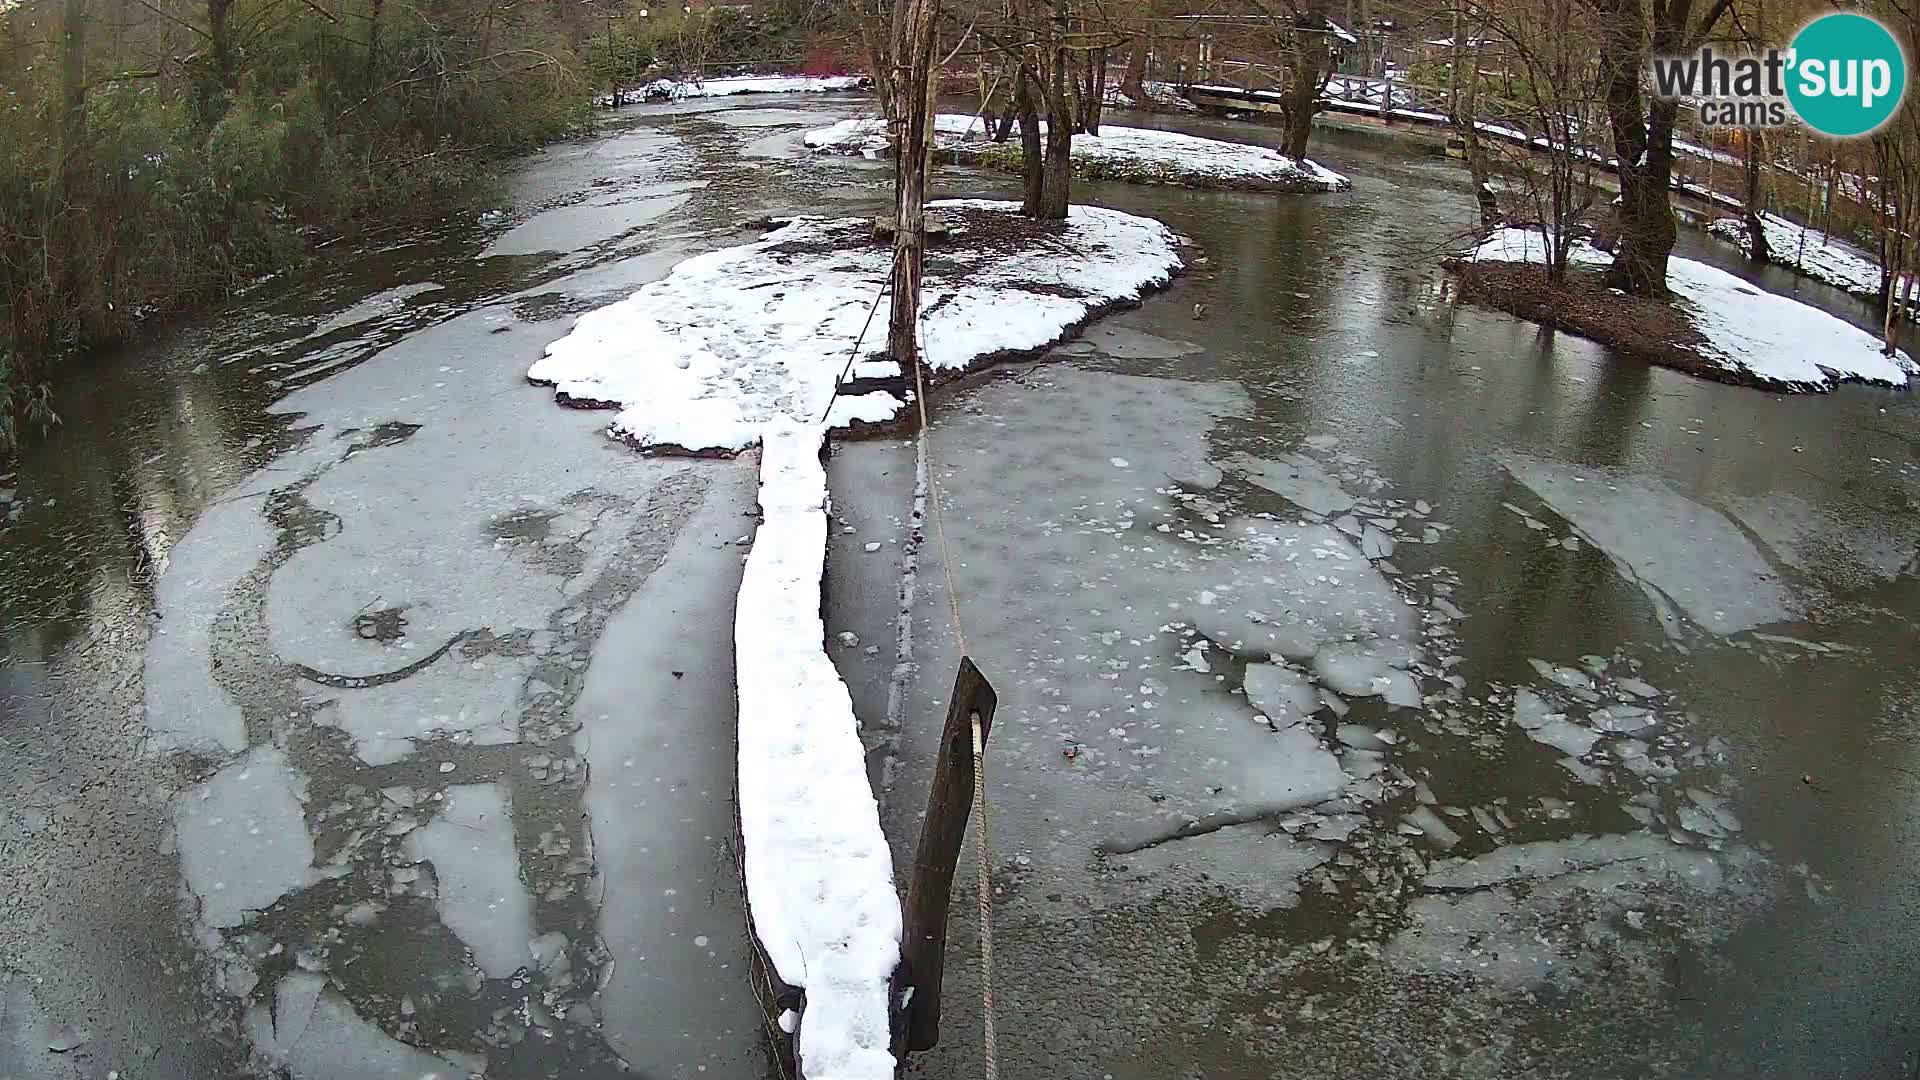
1752, 557
231, 504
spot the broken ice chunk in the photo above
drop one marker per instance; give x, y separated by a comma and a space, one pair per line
1280, 693
1429, 823
1623, 720
1718, 807
1637, 688
1572, 678
1361, 764
1298, 479
1375, 544
1361, 737
1249, 637
1357, 671
1197, 475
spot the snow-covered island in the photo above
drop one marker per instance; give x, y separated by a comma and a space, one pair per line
744, 347
700, 360
1134, 155
676, 89
1728, 329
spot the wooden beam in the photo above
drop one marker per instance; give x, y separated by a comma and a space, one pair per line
923, 949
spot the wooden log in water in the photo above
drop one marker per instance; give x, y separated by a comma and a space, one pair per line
923, 948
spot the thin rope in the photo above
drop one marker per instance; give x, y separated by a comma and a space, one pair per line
886, 286
985, 894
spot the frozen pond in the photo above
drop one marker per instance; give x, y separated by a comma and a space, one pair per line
1393, 689
1386, 689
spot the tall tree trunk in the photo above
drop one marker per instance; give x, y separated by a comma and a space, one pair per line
878, 38
373, 50
220, 38
1033, 169
1466, 126
73, 80
1134, 82
1894, 247
916, 136
1309, 62
1643, 131
1055, 192
1646, 230
1457, 56
1757, 248
1097, 98
1365, 31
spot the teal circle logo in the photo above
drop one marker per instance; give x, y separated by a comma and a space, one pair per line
1848, 75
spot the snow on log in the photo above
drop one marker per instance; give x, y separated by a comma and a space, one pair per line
1136, 155
818, 870
1772, 340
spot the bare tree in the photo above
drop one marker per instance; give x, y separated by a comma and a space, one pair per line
1631, 32
1549, 175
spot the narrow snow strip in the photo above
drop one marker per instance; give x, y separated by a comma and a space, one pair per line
1121, 153
1807, 251
675, 90
728, 341
1775, 339
818, 870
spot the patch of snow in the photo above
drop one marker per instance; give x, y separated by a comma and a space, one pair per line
818, 871
1123, 153
734, 339
1815, 254
1776, 340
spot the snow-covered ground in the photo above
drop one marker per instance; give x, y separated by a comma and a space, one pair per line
1140, 155
1776, 340
1807, 251
675, 90
745, 346
703, 358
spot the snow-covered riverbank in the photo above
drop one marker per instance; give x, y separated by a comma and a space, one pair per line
1135, 155
1805, 251
1753, 335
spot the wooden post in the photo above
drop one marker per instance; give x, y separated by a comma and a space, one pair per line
923, 948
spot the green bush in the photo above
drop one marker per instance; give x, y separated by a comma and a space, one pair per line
175, 185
